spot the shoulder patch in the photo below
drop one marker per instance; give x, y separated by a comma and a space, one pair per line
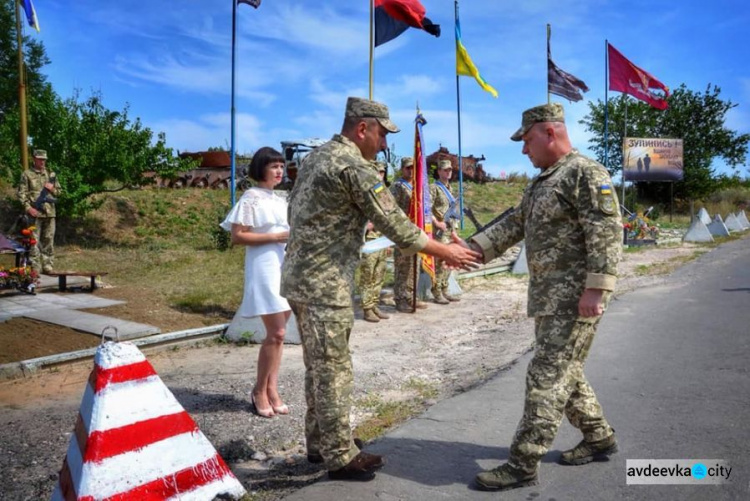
378, 188
605, 189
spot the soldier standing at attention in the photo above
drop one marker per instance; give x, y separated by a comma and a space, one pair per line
372, 270
444, 224
336, 193
403, 266
570, 220
33, 181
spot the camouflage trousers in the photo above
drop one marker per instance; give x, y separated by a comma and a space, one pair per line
329, 381
42, 255
440, 285
371, 277
403, 277
556, 386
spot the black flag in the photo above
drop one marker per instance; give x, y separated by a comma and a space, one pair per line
252, 3
561, 82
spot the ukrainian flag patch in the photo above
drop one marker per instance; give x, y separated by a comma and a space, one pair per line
605, 189
378, 188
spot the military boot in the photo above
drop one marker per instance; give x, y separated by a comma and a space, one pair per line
380, 313
438, 298
586, 452
371, 316
504, 477
450, 298
317, 458
362, 468
403, 307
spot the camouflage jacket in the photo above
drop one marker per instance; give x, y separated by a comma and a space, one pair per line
32, 182
402, 194
569, 217
336, 193
441, 205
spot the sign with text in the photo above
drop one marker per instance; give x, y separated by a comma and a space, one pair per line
652, 159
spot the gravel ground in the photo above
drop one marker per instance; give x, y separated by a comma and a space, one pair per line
412, 358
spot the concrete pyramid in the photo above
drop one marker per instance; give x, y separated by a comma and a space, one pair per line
704, 217
733, 224
717, 227
698, 232
133, 439
742, 218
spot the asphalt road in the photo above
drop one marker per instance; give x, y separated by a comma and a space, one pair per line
670, 367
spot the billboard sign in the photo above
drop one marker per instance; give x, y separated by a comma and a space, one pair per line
652, 159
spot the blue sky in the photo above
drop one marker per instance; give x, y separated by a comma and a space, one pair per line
297, 61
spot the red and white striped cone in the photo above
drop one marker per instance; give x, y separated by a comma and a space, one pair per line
133, 439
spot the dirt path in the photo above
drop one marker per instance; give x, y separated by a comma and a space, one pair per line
401, 365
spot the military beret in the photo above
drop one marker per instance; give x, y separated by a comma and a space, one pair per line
364, 108
545, 113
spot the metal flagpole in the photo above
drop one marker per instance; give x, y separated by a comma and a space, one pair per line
372, 41
606, 106
624, 136
23, 140
232, 112
460, 159
549, 35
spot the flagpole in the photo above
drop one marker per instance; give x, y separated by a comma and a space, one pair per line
372, 41
624, 136
549, 35
22, 93
606, 106
458, 108
232, 112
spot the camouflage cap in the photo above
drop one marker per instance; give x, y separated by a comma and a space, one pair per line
444, 164
380, 166
407, 162
364, 108
545, 113
40, 154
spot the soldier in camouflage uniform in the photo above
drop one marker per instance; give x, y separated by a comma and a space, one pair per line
372, 270
43, 219
403, 266
570, 220
336, 193
444, 224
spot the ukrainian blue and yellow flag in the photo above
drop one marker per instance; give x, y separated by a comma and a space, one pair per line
465, 66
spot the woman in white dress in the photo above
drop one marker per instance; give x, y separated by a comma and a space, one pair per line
259, 221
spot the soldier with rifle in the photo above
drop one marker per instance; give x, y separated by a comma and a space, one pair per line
37, 192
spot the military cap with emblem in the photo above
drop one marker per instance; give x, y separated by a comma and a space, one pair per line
40, 154
545, 113
364, 108
444, 164
407, 162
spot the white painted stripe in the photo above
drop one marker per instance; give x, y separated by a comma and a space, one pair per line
127, 471
128, 403
87, 406
111, 355
226, 485
75, 463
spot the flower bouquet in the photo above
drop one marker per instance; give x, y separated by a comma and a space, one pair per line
21, 277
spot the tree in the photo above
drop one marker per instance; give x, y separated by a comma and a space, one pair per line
697, 118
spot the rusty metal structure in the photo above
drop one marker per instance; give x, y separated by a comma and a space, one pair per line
472, 168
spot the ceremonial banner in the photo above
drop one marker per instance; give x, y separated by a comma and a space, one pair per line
652, 159
393, 17
560, 82
626, 77
420, 211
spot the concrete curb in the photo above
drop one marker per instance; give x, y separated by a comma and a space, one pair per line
25, 368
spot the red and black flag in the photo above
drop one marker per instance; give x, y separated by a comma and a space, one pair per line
560, 82
252, 3
393, 17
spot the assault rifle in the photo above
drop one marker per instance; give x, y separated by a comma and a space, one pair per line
45, 197
480, 227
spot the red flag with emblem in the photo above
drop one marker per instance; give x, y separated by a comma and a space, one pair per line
626, 77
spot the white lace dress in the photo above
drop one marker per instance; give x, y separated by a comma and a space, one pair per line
265, 212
